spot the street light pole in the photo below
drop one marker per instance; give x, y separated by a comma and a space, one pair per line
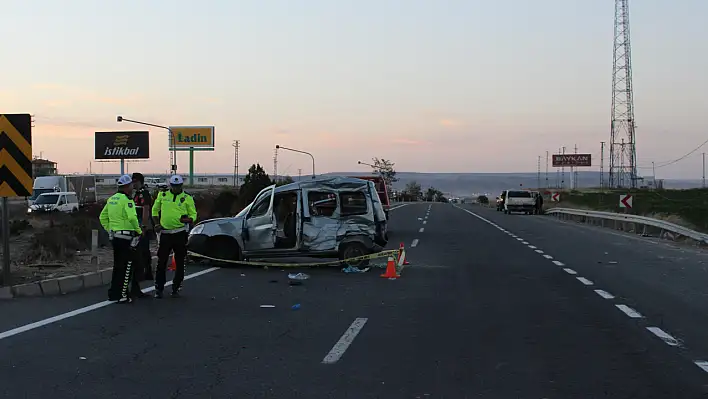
279, 147
171, 141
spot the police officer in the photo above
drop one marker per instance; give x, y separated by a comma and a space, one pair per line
143, 204
173, 212
120, 220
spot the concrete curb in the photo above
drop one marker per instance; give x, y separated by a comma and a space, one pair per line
59, 285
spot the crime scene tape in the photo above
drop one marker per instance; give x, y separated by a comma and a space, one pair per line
383, 254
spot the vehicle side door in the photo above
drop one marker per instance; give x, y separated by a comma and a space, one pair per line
321, 221
259, 225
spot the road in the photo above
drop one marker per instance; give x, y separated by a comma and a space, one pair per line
492, 306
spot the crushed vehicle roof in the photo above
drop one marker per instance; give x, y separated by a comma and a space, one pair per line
335, 183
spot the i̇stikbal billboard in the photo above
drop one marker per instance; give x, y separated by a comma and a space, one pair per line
122, 145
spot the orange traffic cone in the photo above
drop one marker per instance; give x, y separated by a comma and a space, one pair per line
173, 264
401, 260
391, 269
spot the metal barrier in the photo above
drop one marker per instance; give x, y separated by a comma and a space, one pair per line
597, 217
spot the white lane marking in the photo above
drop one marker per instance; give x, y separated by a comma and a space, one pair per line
547, 256
570, 271
86, 309
702, 364
532, 247
345, 340
667, 338
629, 311
558, 263
585, 281
513, 236
604, 294
524, 242
538, 251
425, 221
398, 206
421, 229
519, 238
414, 243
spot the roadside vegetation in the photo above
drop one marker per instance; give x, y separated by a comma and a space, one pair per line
686, 207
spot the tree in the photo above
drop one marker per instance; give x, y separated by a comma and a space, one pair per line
255, 181
385, 167
434, 195
413, 191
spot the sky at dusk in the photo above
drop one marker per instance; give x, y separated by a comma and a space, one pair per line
435, 86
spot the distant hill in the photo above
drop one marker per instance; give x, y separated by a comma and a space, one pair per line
463, 184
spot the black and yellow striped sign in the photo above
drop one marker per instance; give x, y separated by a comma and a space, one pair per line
15, 155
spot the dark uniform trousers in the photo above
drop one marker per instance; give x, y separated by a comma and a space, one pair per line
145, 257
123, 271
177, 243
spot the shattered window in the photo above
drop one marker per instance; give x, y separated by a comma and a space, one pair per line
321, 203
353, 203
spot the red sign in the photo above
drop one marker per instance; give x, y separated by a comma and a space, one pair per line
555, 197
626, 201
560, 160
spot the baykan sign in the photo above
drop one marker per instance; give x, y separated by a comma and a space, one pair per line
122, 145
560, 160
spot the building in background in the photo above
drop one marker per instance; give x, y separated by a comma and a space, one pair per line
43, 167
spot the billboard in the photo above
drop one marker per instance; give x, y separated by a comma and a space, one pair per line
574, 160
196, 137
122, 145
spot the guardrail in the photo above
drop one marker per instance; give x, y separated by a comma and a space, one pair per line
624, 221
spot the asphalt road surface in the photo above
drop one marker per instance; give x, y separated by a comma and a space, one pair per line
491, 306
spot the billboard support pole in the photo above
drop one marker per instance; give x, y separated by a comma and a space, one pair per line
6, 276
191, 166
122, 166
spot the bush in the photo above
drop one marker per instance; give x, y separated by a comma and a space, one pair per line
483, 199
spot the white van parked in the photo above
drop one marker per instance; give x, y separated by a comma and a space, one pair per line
66, 201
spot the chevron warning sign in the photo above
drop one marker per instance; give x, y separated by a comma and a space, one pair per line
15, 155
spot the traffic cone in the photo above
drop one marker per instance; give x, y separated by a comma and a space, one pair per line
401, 260
173, 264
391, 269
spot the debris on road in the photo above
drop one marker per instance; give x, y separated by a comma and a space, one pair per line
352, 269
267, 306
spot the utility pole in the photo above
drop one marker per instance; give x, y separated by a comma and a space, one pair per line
275, 166
704, 170
653, 172
602, 165
538, 175
575, 172
622, 123
558, 186
299, 174
546, 170
235, 144
563, 172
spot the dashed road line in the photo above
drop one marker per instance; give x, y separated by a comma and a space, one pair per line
632, 313
702, 364
666, 337
425, 221
421, 229
585, 281
604, 294
570, 271
414, 243
629, 311
344, 341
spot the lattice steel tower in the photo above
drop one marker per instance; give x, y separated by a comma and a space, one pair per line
623, 151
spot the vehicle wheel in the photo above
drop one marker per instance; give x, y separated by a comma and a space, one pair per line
353, 250
226, 248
